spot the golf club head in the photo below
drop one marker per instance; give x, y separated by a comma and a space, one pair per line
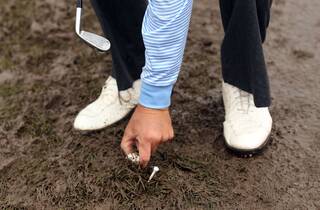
100, 43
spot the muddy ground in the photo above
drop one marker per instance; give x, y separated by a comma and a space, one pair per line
47, 75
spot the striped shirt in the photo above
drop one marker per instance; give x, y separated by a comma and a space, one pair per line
164, 30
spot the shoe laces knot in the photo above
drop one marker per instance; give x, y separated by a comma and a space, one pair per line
127, 99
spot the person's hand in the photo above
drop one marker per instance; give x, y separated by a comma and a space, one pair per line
147, 129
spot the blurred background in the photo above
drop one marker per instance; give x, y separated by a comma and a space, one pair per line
47, 75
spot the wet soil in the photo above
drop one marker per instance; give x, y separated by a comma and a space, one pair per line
47, 75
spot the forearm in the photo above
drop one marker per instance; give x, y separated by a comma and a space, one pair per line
165, 29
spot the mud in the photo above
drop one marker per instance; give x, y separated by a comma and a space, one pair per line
47, 75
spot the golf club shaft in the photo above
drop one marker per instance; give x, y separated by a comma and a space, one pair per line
78, 16
79, 3
93, 40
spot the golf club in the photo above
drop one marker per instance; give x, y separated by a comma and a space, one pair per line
94, 40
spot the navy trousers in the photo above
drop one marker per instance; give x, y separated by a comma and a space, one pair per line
121, 22
243, 65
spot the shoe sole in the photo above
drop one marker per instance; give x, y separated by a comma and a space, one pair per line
248, 153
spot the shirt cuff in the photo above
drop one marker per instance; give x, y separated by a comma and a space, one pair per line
155, 97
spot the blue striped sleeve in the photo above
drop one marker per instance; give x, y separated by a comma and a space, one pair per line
164, 30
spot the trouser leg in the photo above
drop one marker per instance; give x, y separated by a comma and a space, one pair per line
243, 65
121, 21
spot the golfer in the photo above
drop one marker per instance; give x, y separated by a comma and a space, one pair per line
147, 45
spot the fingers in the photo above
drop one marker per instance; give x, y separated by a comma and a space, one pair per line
154, 148
171, 135
144, 152
146, 142
127, 143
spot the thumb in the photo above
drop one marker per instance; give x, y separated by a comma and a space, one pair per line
127, 142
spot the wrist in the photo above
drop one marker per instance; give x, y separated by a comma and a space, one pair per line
140, 106
155, 97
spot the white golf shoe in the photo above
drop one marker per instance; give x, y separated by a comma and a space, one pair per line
246, 127
111, 106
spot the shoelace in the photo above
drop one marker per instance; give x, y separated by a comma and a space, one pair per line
242, 102
132, 102
107, 91
242, 107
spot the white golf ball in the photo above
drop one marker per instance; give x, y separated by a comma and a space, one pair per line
134, 158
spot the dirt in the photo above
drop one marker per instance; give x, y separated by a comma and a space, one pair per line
47, 75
